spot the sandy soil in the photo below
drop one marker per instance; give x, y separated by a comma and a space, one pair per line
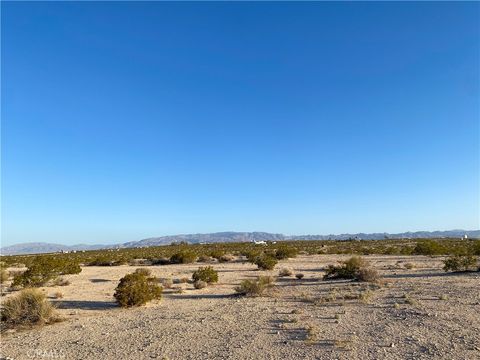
418, 313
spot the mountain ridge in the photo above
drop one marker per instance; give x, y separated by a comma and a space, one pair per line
228, 236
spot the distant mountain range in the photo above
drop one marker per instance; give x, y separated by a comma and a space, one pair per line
38, 248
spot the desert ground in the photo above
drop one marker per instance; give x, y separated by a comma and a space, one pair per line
417, 311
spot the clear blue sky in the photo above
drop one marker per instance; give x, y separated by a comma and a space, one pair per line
128, 120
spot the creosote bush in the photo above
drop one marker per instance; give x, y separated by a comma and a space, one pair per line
183, 257
43, 269
265, 262
137, 289
460, 263
207, 274
286, 252
28, 307
354, 268
255, 287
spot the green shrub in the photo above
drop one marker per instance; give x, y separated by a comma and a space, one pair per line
286, 252
207, 274
217, 254
43, 269
460, 263
428, 247
29, 307
106, 261
265, 262
354, 268
254, 287
137, 289
183, 257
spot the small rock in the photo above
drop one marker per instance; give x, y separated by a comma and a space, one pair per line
392, 345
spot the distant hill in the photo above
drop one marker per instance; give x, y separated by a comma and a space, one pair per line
220, 237
39, 248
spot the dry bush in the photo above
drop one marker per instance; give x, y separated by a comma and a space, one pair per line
137, 289
460, 263
166, 283
58, 295
205, 259
3, 276
299, 276
184, 280
140, 262
255, 287
61, 281
367, 274
226, 258
207, 274
27, 308
199, 284
285, 272
355, 268
143, 271
409, 266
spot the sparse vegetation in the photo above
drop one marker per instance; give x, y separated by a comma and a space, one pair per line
354, 268
286, 252
44, 269
183, 257
137, 289
207, 274
265, 262
460, 263
255, 287
28, 307
285, 272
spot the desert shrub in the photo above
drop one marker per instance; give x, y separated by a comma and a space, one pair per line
106, 261
137, 289
354, 268
217, 254
199, 284
367, 274
460, 263
285, 272
299, 276
166, 283
475, 248
254, 287
428, 247
252, 255
226, 258
3, 276
205, 259
140, 262
61, 281
143, 271
160, 261
207, 274
265, 262
43, 269
183, 257
286, 252
58, 295
29, 307
409, 266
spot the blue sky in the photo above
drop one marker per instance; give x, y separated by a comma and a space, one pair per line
128, 120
